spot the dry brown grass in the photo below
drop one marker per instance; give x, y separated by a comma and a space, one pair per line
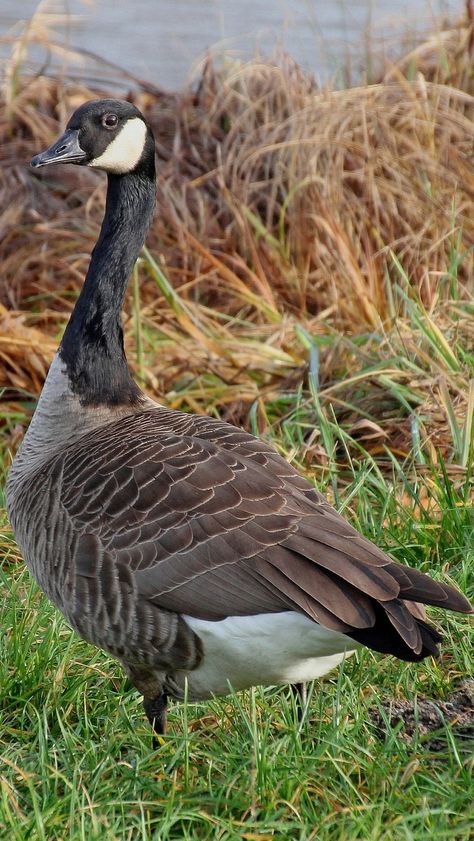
280, 207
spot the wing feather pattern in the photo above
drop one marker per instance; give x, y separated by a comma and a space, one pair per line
205, 520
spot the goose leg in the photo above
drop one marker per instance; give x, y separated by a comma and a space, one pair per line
155, 709
300, 694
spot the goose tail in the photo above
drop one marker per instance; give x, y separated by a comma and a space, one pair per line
400, 626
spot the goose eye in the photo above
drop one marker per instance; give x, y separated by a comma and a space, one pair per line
109, 120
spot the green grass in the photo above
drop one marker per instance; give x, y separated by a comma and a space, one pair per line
76, 760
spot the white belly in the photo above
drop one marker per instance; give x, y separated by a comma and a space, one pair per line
262, 650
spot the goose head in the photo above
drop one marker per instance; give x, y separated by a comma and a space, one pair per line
107, 134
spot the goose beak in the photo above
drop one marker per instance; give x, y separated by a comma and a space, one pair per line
65, 150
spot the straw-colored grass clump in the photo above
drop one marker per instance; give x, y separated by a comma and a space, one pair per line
290, 220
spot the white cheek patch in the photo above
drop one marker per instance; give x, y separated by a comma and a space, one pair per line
125, 150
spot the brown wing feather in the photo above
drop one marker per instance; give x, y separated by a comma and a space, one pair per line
211, 522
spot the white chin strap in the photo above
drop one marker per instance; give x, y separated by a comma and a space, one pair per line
125, 150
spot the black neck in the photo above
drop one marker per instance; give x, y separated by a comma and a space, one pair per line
92, 346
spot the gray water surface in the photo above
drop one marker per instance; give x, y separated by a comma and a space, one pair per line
163, 40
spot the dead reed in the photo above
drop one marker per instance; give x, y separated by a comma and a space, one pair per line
297, 229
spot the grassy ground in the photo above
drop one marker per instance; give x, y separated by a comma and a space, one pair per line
75, 748
309, 275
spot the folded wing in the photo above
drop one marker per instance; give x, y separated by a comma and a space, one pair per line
211, 522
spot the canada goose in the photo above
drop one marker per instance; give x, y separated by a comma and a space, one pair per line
185, 547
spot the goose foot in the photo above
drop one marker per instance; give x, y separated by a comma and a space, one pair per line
300, 694
155, 709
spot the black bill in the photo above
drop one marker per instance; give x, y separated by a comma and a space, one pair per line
65, 150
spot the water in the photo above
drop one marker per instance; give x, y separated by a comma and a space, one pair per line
163, 40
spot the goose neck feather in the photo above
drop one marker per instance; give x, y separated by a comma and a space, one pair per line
92, 348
